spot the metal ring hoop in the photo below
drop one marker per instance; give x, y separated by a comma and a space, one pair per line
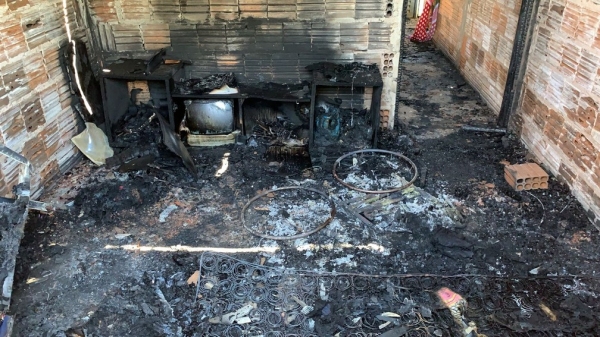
401, 156
293, 237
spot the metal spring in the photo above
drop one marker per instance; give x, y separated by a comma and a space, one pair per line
274, 280
241, 291
298, 319
326, 282
428, 283
526, 310
289, 303
357, 334
241, 270
272, 291
254, 331
223, 288
360, 284
225, 267
217, 307
259, 275
411, 283
291, 281
258, 294
234, 331
208, 262
258, 316
274, 296
309, 283
342, 283
274, 319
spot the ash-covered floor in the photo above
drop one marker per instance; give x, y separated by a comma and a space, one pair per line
117, 260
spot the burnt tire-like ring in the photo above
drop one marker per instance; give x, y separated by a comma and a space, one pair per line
399, 155
293, 237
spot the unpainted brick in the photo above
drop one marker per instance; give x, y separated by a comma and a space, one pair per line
566, 174
3, 95
35, 70
35, 150
13, 38
14, 75
5, 189
584, 153
105, 10
33, 115
11, 123
49, 171
15, 5
30, 38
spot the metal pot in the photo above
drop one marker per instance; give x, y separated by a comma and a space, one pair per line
209, 116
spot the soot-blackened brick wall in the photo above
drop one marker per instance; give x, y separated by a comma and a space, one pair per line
36, 118
258, 40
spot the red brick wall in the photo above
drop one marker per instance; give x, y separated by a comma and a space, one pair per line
36, 119
558, 117
478, 36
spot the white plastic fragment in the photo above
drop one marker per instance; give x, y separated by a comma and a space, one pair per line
166, 212
384, 325
323, 292
93, 143
238, 317
224, 90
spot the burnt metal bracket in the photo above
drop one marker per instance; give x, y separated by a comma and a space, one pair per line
518, 61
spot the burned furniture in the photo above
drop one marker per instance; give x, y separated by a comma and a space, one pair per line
242, 102
13, 214
354, 75
115, 93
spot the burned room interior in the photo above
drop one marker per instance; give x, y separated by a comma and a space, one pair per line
274, 168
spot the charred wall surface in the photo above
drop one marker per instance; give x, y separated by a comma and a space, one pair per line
478, 36
36, 118
558, 116
258, 40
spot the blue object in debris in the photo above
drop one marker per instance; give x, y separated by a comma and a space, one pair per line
326, 311
5, 327
328, 120
329, 126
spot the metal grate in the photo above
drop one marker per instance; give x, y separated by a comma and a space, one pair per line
238, 298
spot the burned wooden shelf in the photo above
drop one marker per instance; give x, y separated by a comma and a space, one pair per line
115, 93
362, 80
241, 96
210, 96
134, 69
267, 91
354, 75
